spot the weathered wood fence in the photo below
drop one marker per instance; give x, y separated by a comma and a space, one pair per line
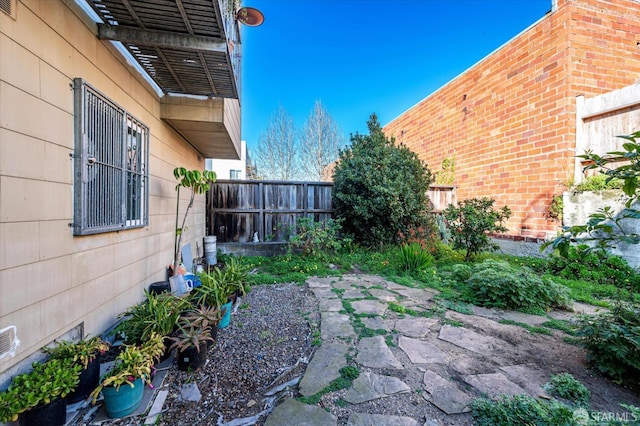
441, 196
243, 211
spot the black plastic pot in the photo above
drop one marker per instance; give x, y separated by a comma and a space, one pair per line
89, 378
191, 359
160, 287
52, 414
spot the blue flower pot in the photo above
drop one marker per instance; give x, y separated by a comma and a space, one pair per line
123, 401
226, 318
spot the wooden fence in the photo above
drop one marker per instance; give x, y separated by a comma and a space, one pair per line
243, 211
441, 196
267, 211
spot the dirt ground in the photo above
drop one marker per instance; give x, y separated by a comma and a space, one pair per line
269, 343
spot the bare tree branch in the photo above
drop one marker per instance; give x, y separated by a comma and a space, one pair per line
321, 141
277, 153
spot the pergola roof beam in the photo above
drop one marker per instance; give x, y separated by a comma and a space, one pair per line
160, 38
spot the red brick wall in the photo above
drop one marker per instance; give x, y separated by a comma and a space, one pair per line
510, 120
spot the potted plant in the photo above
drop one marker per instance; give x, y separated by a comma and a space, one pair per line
85, 353
215, 291
192, 338
39, 397
158, 314
235, 274
204, 316
122, 386
198, 183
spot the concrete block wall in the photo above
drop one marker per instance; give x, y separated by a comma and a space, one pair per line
578, 206
509, 121
51, 281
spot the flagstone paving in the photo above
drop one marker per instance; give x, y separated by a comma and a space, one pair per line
446, 360
369, 386
374, 352
323, 368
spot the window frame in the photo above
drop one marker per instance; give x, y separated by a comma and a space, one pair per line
105, 165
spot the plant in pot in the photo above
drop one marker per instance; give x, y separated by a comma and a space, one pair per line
85, 353
235, 274
192, 338
122, 386
158, 314
198, 183
215, 291
39, 397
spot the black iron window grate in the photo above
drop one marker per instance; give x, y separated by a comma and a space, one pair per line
110, 168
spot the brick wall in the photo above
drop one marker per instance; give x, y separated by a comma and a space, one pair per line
509, 121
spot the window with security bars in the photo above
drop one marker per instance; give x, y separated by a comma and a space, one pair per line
110, 168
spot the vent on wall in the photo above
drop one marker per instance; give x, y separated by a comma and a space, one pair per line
8, 7
8, 339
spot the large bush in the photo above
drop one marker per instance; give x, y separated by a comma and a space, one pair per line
380, 188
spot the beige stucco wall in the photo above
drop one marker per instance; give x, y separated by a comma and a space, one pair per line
51, 281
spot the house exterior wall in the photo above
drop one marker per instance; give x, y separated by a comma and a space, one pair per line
223, 167
509, 121
51, 281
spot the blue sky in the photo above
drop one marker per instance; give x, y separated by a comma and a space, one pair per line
365, 56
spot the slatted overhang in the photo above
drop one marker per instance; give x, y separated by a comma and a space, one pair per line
188, 47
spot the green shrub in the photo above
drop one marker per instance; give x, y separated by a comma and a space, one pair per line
598, 183
472, 222
413, 258
613, 341
556, 207
461, 272
568, 388
497, 284
316, 238
595, 266
520, 410
380, 188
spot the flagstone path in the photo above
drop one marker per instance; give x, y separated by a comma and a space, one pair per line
445, 360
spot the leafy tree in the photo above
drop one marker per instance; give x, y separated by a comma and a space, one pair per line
278, 150
605, 229
380, 188
320, 143
472, 222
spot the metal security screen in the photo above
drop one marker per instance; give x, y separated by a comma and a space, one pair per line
111, 154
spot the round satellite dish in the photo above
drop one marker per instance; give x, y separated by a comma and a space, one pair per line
250, 16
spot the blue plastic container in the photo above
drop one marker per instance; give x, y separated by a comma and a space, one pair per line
226, 318
125, 400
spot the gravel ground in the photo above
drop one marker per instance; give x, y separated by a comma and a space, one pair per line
267, 344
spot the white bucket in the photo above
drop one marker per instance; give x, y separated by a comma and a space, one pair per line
210, 250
